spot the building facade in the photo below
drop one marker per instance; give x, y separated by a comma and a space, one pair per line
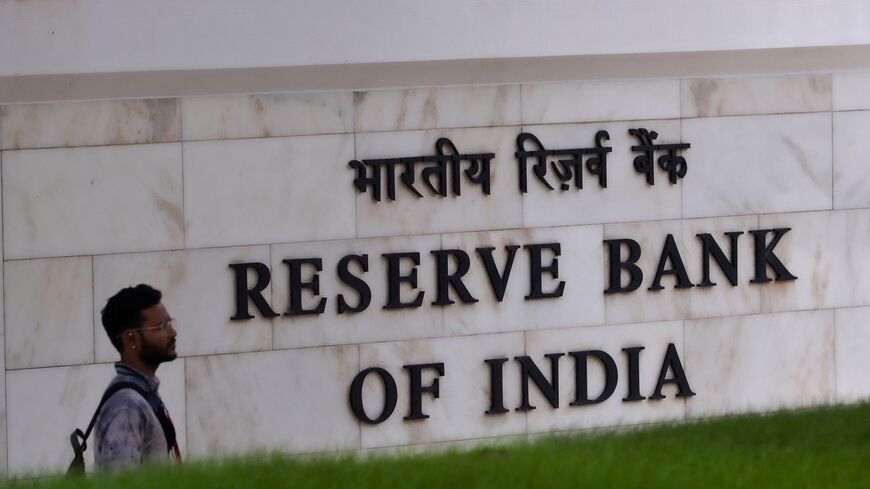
406, 225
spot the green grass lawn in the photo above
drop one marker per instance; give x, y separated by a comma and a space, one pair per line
815, 449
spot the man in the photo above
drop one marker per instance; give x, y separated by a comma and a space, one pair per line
133, 426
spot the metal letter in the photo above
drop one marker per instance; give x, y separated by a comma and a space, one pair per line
390, 396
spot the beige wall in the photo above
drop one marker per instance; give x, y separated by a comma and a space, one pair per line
99, 195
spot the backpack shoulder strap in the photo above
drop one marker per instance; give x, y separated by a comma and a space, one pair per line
79, 440
160, 411
153, 400
108, 394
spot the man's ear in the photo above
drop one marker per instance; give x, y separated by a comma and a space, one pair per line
129, 340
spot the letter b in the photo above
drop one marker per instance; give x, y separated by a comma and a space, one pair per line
616, 265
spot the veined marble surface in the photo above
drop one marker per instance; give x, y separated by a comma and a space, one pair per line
627, 197
579, 267
373, 324
459, 412
851, 159
851, 91
827, 252
710, 97
441, 107
852, 343
253, 116
272, 190
471, 211
654, 337
198, 291
266, 178
723, 299
51, 321
547, 103
80, 201
103, 123
293, 401
4, 456
760, 363
45, 405
757, 164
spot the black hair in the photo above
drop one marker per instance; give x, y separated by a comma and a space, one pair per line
123, 310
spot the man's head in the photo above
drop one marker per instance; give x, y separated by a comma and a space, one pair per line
139, 326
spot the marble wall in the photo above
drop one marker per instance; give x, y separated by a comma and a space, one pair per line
100, 195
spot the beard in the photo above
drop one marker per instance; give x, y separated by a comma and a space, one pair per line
155, 354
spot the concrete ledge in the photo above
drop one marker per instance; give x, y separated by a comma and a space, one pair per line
146, 84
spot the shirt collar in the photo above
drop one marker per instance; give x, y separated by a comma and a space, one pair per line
128, 370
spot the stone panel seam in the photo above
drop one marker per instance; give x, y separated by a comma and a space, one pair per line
682, 186
287, 136
272, 322
173, 250
2, 221
851, 110
400, 340
441, 312
93, 312
356, 196
92, 146
186, 425
762, 114
522, 87
525, 413
5, 406
183, 198
607, 121
833, 162
359, 426
836, 396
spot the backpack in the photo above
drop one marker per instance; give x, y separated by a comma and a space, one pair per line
79, 439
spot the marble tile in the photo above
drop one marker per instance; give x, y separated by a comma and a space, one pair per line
437, 107
669, 303
103, 123
643, 304
826, 251
2, 318
198, 290
173, 391
46, 405
50, 313
711, 97
653, 337
723, 299
76, 201
853, 343
471, 211
266, 115
627, 197
272, 190
373, 324
3, 427
579, 263
546, 103
757, 164
459, 411
760, 363
851, 91
851, 160
289, 401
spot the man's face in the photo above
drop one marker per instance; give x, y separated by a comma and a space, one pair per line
158, 336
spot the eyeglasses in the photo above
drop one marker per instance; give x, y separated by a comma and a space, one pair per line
163, 327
